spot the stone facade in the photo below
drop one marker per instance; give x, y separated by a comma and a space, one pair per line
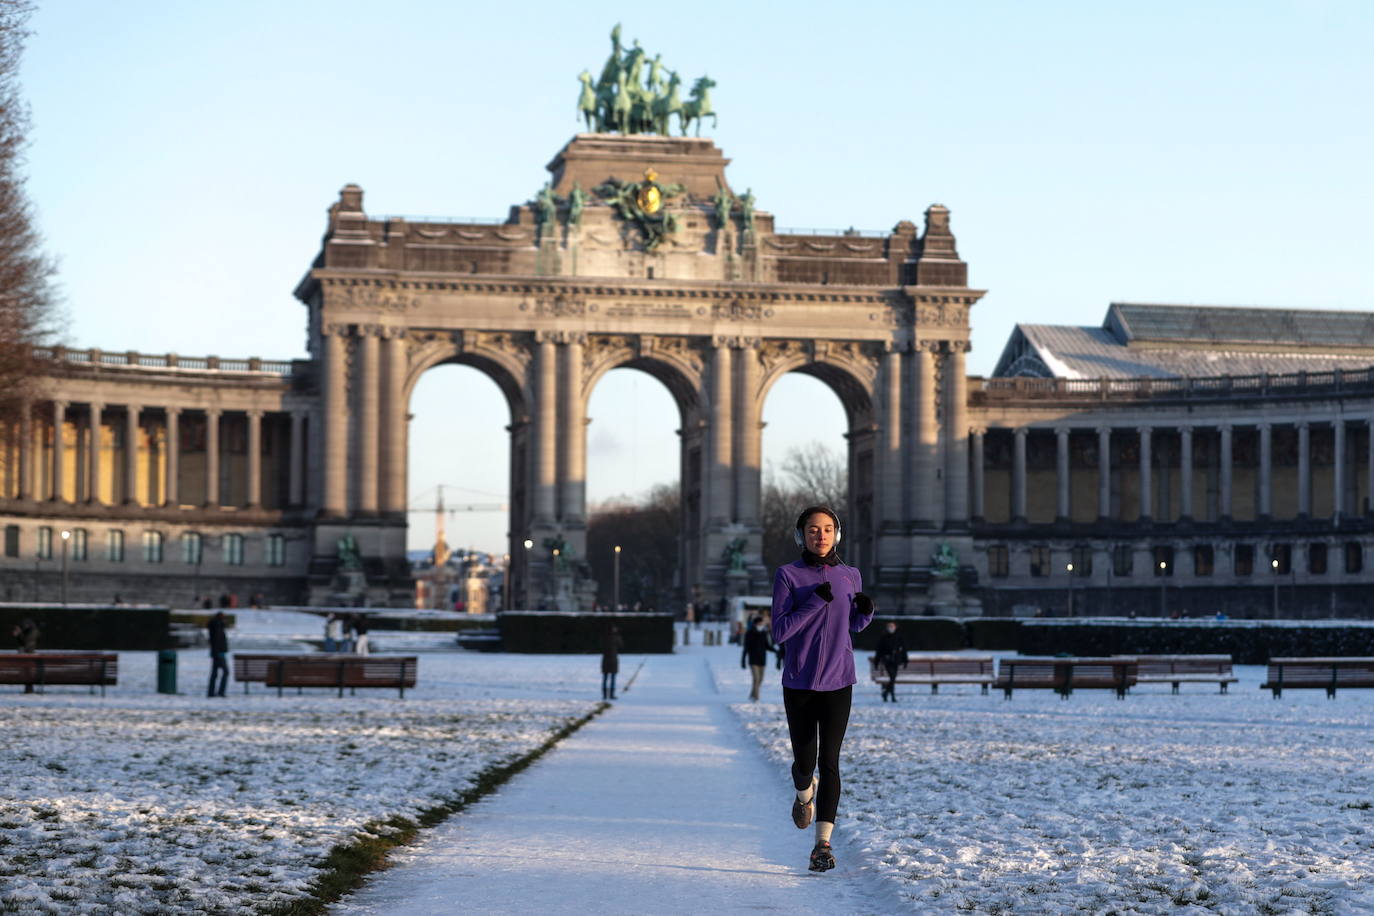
244, 476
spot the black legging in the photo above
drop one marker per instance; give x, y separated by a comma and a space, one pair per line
818, 717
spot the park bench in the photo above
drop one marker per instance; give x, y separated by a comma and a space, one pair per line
1327, 673
1063, 675
43, 668
1192, 669
335, 671
939, 669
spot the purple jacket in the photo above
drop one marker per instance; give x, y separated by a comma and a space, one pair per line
820, 651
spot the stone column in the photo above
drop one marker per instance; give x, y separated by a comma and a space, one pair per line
1146, 491
956, 436
366, 384
334, 410
925, 435
721, 496
545, 414
572, 437
93, 453
1104, 472
131, 455
296, 474
1304, 470
254, 496
1369, 471
26, 450
1337, 469
1266, 470
172, 467
976, 444
1185, 472
395, 414
749, 438
1224, 510
59, 449
1018, 476
1061, 478
212, 459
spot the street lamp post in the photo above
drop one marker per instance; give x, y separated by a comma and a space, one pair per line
615, 602
1163, 595
526, 572
66, 536
1274, 565
506, 585
1069, 570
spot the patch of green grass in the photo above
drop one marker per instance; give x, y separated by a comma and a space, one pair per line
348, 863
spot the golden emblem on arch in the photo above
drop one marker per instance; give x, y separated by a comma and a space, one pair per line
649, 198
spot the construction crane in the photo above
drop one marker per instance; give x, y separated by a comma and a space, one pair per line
441, 550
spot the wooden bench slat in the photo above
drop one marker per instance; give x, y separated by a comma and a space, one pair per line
40, 669
1328, 673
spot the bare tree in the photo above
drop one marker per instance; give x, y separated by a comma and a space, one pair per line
28, 309
647, 531
811, 475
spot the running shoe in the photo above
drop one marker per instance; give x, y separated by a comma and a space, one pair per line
821, 857
802, 815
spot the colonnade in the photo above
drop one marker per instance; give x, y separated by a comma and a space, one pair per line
1340, 481
43, 461
363, 370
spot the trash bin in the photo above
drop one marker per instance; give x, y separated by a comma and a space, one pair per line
167, 671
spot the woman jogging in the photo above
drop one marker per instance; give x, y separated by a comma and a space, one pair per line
817, 603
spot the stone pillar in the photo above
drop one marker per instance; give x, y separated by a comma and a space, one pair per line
1104, 472
956, 436
925, 435
212, 459
976, 444
1224, 510
172, 467
1018, 476
334, 410
721, 491
26, 450
749, 438
545, 436
1266, 470
1185, 472
572, 437
1337, 469
1061, 465
59, 449
295, 473
367, 385
1304, 470
395, 416
253, 499
131, 455
1146, 490
93, 453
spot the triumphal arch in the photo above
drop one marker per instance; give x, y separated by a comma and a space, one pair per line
638, 252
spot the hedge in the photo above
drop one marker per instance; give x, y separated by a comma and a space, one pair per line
89, 627
555, 632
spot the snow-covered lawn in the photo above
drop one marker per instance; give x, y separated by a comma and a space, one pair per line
141, 803
1153, 804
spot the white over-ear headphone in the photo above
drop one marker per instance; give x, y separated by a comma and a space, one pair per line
800, 540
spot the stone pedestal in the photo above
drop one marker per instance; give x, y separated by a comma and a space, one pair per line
737, 583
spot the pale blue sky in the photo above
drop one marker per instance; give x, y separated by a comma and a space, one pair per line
1209, 152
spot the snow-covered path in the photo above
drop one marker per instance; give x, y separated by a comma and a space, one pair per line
661, 805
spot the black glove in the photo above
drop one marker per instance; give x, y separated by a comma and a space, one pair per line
824, 591
863, 604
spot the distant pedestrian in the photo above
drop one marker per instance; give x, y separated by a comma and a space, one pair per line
219, 650
360, 646
757, 646
25, 635
333, 632
818, 602
346, 622
892, 656
611, 644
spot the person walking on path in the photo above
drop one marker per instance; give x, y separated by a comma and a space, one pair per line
892, 656
818, 602
219, 648
611, 644
756, 649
